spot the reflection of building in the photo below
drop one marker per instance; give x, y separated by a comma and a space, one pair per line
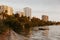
6, 9
27, 11
44, 17
45, 33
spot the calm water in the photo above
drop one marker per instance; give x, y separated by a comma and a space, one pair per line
52, 34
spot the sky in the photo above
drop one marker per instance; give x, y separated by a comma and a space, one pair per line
39, 7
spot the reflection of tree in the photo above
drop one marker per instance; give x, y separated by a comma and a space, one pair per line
45, 32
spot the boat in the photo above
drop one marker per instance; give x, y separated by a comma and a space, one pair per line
44, 28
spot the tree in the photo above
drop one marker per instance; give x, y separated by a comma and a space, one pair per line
16, 15
35, 21
3, 27
13, 23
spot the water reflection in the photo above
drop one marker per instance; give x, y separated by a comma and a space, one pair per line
37, 35
52, 34
45, 33
28, 33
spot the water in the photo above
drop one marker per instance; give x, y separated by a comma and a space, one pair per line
52, 34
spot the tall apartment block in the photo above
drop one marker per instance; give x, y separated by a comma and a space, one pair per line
27, 11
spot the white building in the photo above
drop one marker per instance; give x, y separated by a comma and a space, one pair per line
45, 18
6, 9
27, 11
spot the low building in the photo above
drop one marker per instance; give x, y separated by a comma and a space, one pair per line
22, 14
45, 18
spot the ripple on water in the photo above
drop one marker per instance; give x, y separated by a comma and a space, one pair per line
52, 34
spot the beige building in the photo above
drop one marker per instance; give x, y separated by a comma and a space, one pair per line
45, 18
10, 11
27, 11
6, 9
22, 14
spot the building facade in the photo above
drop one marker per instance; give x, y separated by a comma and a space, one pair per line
21, 13
6, 9
45, 18
10, 11
27, 11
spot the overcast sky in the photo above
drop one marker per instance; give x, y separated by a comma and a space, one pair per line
39, 7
